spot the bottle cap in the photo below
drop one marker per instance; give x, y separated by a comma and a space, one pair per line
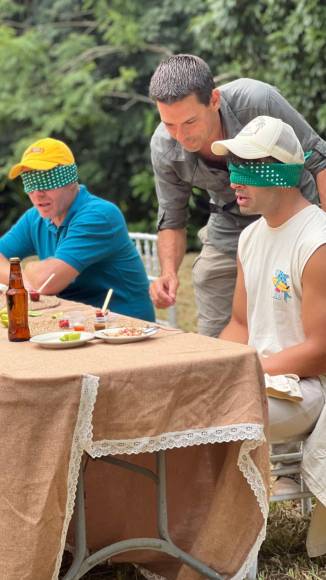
14, 259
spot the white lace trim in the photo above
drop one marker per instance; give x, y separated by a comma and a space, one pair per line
82, 436
252, 473
255, 481
238, 432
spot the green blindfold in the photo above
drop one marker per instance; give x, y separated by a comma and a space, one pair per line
52, 179
262, 174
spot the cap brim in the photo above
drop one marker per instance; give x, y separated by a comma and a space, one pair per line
36, 165
218, 148
239, 147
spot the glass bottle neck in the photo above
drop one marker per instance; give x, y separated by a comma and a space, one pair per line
15, 276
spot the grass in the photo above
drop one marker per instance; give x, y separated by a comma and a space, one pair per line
283, 554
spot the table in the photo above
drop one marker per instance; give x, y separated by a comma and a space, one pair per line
200, 398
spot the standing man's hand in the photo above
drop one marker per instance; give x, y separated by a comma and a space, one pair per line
171, 249
163, 290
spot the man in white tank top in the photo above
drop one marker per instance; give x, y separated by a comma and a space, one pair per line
279, 304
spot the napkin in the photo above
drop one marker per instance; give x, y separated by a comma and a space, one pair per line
284, 387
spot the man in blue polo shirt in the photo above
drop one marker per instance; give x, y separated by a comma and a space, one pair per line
79, 237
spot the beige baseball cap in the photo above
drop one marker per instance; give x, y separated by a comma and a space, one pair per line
263, 137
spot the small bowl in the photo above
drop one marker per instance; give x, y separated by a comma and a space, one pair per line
74, 320
76, 316
101, 316
34, 295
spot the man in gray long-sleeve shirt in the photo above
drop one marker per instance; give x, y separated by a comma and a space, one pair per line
194, 114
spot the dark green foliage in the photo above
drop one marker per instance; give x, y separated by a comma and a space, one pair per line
283, 43
79, 70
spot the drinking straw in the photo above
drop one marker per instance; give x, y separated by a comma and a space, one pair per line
45, 283
107, 300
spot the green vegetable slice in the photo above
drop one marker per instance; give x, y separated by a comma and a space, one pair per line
70, 336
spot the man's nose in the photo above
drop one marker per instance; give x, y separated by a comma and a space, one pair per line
237, 186
180, 134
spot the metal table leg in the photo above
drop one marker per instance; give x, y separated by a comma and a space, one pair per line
82, 564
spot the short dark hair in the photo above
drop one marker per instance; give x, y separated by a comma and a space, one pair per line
180, 76
232, 158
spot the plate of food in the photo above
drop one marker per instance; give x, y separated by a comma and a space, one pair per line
42, 301
123, 334
62, 339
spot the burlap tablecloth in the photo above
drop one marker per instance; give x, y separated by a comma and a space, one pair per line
176, 391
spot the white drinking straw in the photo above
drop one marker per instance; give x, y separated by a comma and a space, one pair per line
107, 300
45, 283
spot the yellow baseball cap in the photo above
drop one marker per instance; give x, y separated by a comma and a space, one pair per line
43, 155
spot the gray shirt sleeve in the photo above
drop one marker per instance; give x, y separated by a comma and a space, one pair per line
279, 107
172, 193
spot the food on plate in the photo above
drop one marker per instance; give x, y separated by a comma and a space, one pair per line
70, 336
4, 318
64, 323
125, 331
34, 295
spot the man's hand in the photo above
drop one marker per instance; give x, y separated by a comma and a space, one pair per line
171, 249
163, 290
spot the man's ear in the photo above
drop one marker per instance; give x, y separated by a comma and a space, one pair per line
215, 99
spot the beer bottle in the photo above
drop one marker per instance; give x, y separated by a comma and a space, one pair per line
17, 304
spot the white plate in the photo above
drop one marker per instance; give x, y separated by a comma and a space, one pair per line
107, 335
52, 340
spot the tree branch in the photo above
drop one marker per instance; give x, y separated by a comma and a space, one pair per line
132, 98
63, 24
105, 50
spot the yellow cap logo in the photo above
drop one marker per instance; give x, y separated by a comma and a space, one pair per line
36, 150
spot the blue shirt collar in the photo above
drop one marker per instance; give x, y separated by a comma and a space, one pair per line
78, 201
